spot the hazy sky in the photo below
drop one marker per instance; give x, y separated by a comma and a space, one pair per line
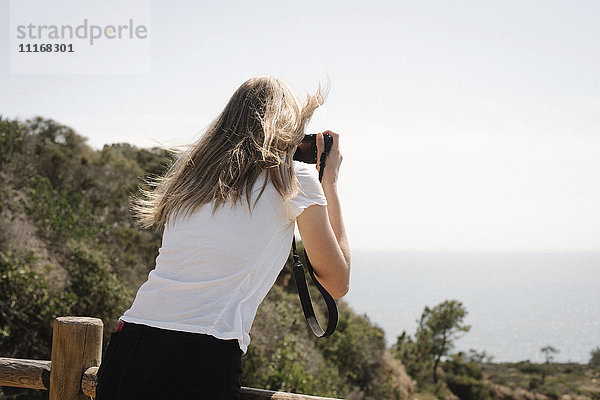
465, 125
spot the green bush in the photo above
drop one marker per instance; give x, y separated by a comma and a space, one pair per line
282, 355
27, 308
98, 291
457, 365
595, 358
468, 388
11, 139
59, 212
529, 368
356, 348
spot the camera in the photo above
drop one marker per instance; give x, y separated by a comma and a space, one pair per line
307, 149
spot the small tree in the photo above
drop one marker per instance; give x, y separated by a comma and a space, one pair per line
414, 356
548, 354
595, 359
479, 357
438, 328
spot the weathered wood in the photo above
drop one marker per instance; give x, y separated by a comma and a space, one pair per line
89, 381
260, 394
16, 372
76, 346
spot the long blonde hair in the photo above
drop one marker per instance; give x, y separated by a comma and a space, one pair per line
257, 132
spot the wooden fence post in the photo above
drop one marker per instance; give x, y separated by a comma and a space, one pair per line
76, 346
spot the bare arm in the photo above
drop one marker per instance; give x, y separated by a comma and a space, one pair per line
323, 232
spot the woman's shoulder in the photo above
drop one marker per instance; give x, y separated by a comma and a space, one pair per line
310, 190
305, 171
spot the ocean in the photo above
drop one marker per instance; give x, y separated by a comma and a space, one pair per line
517, 303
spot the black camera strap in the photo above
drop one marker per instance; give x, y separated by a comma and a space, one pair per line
303, 293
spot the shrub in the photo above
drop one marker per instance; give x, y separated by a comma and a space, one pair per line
27, 308
11, 139
94, 285
468, 388
595, 358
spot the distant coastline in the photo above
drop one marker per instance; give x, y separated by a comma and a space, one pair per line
518, 302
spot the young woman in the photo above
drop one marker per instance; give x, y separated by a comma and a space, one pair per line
228, 206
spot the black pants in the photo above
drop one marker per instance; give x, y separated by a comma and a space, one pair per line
143, 362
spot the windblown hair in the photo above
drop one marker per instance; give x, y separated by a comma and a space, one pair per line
257, 132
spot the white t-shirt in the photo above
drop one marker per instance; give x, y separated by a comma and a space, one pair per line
213, 271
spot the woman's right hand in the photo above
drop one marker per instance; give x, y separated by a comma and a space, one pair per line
334, 158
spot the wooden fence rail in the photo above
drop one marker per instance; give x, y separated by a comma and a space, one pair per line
76, 355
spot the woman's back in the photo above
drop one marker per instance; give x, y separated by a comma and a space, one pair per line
213, 270
185, 333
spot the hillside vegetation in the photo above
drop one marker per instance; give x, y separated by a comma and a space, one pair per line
441, 374
69, 247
